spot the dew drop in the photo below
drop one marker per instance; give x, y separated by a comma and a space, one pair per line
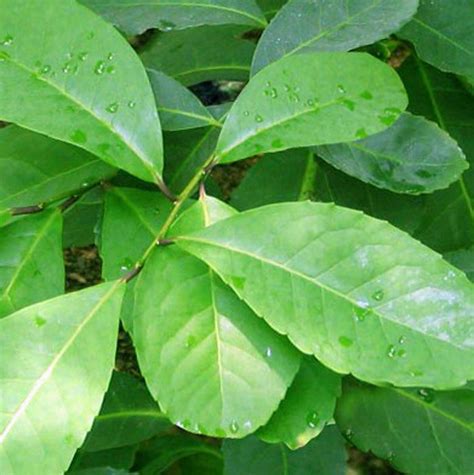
348, 104
166, 25
312, 419
361, 133
234, 427
110, 56
426, 394
268, 352
273, 93
78, 136
402, 353
126, 265
90, 35
45, 69
349, 433
83, 55
277, 143
360, 313
246, 113
110, 69
416, 373
367, 95
3, 56
39, 321
131, 104
99, 67
345, 341
378, 295
219, 432
258, 118
190, 341
287, 88
67, 68
341, 88
402, 339
7, 41
268, 84
112, 108
391, 351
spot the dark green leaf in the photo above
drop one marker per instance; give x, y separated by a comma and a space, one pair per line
270, 7
36, 169
31, 261
354, 291
53, 377
120, 458
68, 74
203, 353
442, 34
282, 108
178, 107
325, 455
128, 415
136, 16
464, 260
339, 25
412, 156
196, 55
448, 221
307, 408
418, 431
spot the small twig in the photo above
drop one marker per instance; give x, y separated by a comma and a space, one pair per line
164, 242
68, 203
26, 210
202, 191
132, 274
165, 190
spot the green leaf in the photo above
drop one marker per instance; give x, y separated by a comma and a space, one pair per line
324, 455
132, 219
442, 35
354, 291
293, 175
270, 7
187, 151
178, 107
82, 218
120, 458
412, 156
31, 261
36, 169
339, 26
307, 408
128, 415
448, 221
418, 431
102, 471
85, 84
196, 55
53, 378
135, 16
214, 367
463, 259
282, 108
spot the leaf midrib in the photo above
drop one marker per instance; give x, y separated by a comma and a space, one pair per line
313, 281
144, 160
44, 377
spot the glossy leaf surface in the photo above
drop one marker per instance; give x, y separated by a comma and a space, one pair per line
47, 374
281, 108
359, 294
412, 156
419, 431
196, 55
338, 25
213, 365
442, 34
84, 86
308, 406
31, 261
325, 455
136, 16
36, 169
448, 221
178, 107
128, 415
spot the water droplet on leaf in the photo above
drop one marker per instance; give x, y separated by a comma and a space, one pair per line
83, 56
268, 352
258, 118
345, 341
99, 67
39, 321
234, 427
78, 136
341, 88
132, 104
378, 295
426, 394
312, 419
7, 40
367, 95
112, 108
391, 351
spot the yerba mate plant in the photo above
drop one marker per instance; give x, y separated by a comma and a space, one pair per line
325, 302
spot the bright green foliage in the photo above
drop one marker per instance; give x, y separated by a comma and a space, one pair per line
39, 380
136, 16
442, 34
128, 415
196, 55
33, 168
31, 261
87, 74
346, 246
308, 406
338, 25
413, 156
324, 456
282, 108
214, 367
445, 419
362, 303
178, 108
